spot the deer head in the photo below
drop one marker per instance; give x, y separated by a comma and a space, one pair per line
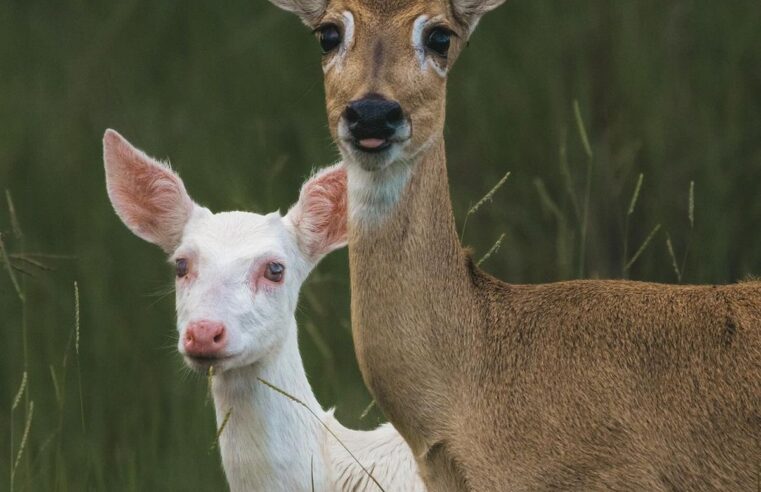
238, 274
386, 64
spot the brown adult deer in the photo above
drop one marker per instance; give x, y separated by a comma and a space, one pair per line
587, 385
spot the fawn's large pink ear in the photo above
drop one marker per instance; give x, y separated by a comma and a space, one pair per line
148, 196
319, 216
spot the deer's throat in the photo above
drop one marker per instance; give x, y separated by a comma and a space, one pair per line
408, 280
401, 224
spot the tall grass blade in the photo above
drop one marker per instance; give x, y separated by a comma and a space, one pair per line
691, 207
367, 409
582, 129
480, 203
31, 261
48, 256
299, 402
492, 251
565, 170
77, 319
314, 302
209, 380
635, 195
14, 218
322, 346
629, 213
585, 221
670, 247
20, 392
24, 438
8, 266
21, 270
587, 189
221, 429
642, 248
546, 199
691, 217
56, 387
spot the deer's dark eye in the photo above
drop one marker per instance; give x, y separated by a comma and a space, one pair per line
274, 272
439, 40
181, 266
330, 37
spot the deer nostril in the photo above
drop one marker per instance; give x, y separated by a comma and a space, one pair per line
351, 114
395, 115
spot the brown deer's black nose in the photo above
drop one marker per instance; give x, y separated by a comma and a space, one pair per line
373, 117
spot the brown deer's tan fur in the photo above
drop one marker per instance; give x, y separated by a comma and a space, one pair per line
585, 385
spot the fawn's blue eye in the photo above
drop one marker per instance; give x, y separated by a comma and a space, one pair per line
330, 38
439, 40
181, 266
274, 272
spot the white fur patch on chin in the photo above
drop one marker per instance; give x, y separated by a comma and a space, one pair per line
373, 195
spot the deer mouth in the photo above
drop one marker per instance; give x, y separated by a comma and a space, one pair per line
372, 145
373, 138
203, 362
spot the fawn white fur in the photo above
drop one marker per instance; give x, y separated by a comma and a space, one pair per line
269, 442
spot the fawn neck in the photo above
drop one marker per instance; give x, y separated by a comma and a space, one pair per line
269, 441
402, 265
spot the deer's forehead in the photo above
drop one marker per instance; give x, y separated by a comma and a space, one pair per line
388, 14
237, 234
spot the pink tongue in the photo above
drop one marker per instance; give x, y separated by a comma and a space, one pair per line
371, 143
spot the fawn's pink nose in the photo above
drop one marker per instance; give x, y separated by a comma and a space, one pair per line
204, 338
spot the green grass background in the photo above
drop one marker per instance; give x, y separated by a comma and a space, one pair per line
231, 92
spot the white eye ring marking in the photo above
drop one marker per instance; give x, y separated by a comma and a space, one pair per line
348, 38
418, 28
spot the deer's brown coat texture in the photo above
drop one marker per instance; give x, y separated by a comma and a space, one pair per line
588, 385
584, 385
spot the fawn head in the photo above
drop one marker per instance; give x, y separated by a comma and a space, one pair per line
386, 64
238, 274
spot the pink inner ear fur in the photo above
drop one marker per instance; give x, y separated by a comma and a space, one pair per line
149, 198
320, 214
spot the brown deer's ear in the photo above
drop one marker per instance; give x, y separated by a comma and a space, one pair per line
319, 217
469, 12
149, 198
310, 11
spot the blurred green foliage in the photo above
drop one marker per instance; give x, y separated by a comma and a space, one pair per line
231, 91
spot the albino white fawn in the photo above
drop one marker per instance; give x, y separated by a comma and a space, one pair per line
589, 385
238, 281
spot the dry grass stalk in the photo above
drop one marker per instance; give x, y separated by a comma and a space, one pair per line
8, 266
20, 392
486, 198
642, 248
367, 409
670, 247
299, 402
24, 438
493, 250
221, 429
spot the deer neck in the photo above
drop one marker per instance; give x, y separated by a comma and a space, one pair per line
409, 281
402, 213
270, 442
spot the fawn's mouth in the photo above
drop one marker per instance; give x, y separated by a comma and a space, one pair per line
203, 363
